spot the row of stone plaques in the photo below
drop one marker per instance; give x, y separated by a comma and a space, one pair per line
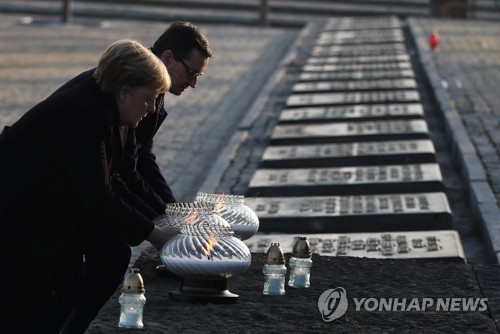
354, 161
392, 244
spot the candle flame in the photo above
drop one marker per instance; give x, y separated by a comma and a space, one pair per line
191, 218
211, 242
219, 203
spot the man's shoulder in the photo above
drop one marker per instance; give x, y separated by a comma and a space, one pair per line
75, 81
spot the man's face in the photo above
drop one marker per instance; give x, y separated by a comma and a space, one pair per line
184, 73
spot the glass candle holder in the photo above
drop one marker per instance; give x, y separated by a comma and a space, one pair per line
300, 264
132, 300
175, 215
171, 222
232, 208
274, 271
205, 253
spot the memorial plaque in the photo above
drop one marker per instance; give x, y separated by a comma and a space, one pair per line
356, 75
325, 99
349, 131
359, 60
352, 112
353, 34
361, 37
349, 154
386, 245
364, 23
356, 85
363, 213
360, 40
356, 67
359, 50
350, 180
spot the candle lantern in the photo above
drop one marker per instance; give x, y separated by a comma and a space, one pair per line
132, 300
205, 254
274, 271
171, 222
175, 216
232, 208
300, 264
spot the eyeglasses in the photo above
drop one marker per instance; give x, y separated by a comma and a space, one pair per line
192, 73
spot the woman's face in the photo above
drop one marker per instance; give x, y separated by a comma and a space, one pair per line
134, 103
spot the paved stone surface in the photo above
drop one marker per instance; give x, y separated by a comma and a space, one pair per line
39, 57
464, 72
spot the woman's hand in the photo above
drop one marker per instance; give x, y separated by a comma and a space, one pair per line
158, 237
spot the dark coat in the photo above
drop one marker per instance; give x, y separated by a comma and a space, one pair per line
139, 170
56, 166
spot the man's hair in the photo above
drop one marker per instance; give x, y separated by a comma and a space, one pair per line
127, 62
181, 38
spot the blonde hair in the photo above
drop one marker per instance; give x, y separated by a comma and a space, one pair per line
127, 62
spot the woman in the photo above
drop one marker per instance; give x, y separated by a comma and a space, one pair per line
60, 201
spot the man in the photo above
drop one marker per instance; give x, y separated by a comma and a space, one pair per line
185, 51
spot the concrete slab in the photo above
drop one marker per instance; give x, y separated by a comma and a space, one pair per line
361, 37
443, 281
366, 23
349, 131
357, 75
358, 213
388, 245
373, 97
352, 112
356, 85
353, 154
356, 67
352, 180
358, 59
360, 50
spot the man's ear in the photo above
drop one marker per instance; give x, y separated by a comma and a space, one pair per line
166, 56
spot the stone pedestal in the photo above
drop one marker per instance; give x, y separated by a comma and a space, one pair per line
449, 282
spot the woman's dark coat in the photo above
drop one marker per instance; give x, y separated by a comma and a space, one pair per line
139, 170
56, 167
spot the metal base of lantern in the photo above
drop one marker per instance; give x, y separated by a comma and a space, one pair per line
203, 290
